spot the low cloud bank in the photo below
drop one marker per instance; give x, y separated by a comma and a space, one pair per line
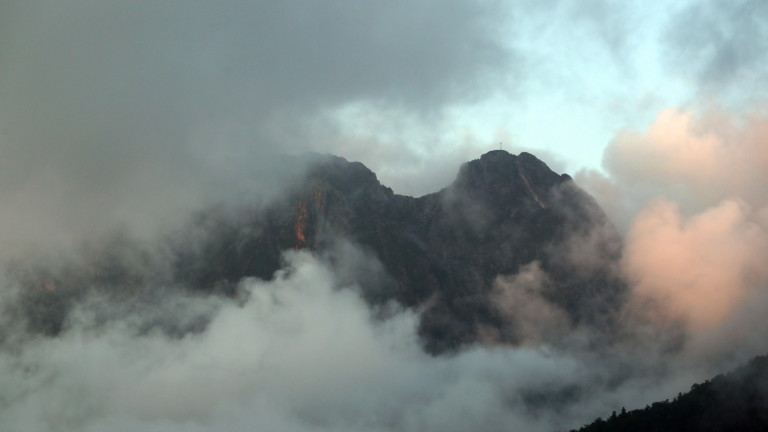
302, 353
305, 352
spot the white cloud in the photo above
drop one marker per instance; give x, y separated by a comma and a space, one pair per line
300, 354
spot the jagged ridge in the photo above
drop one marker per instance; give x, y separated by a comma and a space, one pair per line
439, 253
442, 251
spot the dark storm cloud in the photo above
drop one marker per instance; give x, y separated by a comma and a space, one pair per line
251, 54
115, 112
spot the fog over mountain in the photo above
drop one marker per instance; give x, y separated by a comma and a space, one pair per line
196, 332
412, 216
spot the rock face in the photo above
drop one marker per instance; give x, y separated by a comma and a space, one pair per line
441, 253
506, 251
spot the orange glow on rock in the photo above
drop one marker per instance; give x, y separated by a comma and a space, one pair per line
301, 221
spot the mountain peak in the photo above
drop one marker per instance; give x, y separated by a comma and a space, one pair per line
509, 178
440, 254
500, 155
497, 154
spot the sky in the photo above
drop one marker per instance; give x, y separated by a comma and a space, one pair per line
99, 99
401, 87
130, 115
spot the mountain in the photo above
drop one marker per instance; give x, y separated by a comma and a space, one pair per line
441, 254
737, 401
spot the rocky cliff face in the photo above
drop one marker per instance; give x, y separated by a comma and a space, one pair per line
441, 253
451, 255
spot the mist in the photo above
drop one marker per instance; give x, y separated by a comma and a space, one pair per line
687, 193
121, 123
303, 353
131, 116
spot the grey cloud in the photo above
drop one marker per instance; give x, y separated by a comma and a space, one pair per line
128, 113
133, 113
521, 300
188, 61
722, 42
611, 21
301, 353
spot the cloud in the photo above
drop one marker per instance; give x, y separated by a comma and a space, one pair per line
722, 43
133, 114
688, 191
698, 158
701, 268
695, 158
521, 299
301, 353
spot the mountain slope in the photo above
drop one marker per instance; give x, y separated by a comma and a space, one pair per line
737, 401
441, 252
508, 232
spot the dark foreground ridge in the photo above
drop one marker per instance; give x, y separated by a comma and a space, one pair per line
440, 253
737, 401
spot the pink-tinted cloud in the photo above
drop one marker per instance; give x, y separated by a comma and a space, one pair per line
520, 298
690, 192
699, 267
697, 159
